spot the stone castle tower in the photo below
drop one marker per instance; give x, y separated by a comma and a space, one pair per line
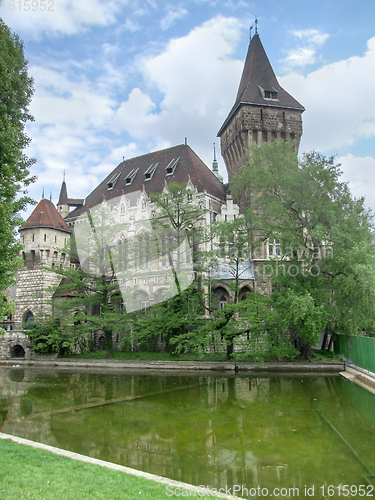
263, 111
44, 236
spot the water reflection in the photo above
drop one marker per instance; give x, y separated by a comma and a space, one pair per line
265, 430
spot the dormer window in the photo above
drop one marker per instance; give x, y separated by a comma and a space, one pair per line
171, 167
130, 177
112, 181
150, 171
269, 94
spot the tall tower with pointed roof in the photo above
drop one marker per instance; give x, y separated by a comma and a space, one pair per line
263, 111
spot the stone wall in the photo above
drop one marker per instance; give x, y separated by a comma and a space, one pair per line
34, 293
257, 125
14, 344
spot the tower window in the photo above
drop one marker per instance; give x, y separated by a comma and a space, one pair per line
269, 94
45, 237
261, 114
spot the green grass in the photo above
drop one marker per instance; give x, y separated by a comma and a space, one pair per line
30, 473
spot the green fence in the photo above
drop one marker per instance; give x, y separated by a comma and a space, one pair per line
357, 350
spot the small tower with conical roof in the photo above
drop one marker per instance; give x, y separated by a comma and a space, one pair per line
263, 111
45, 237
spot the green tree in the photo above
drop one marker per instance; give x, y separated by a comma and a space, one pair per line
325, 274
16, 90
177, 225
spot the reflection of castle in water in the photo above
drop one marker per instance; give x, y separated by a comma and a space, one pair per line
201, 430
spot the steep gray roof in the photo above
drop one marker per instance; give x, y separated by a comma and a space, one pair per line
258, 79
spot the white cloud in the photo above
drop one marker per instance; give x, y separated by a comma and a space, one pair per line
339, 102
62, 16
305, 47
360, 173
134, 115
174, 13
198, 80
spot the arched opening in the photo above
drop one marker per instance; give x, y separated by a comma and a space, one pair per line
221, 297
244, 293
17, 351
101, 343
28, 320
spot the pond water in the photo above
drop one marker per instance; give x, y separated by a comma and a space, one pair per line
219, 431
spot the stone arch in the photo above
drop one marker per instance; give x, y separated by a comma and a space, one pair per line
244, 291
221, 296
17, 351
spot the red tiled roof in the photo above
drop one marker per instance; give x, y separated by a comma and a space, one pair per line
189, 165
46, 215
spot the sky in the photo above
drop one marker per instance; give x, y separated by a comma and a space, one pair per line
116, 79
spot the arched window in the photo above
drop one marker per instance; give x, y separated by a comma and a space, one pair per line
28, 319
222, 301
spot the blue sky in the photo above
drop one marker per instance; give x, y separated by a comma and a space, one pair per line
121, 78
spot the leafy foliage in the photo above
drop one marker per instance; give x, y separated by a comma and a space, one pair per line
50, 338
16, 90
324, 279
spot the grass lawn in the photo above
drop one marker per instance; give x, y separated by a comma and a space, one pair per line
27, 472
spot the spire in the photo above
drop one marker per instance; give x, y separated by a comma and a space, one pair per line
215, 166
63, 198
259, 85
43, 194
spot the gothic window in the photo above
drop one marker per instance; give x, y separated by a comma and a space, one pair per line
28, 319
222, 301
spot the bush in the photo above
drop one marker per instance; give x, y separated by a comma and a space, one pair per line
48, 338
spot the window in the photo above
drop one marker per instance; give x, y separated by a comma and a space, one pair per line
45, 238
130, 177
112, 181
171, 167
274, 247
270, 94
55, 239
150, 171
32, 237
222, 301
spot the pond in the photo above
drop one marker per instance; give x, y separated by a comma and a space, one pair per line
260, 430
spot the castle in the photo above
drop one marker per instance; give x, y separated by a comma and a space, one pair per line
263, 111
